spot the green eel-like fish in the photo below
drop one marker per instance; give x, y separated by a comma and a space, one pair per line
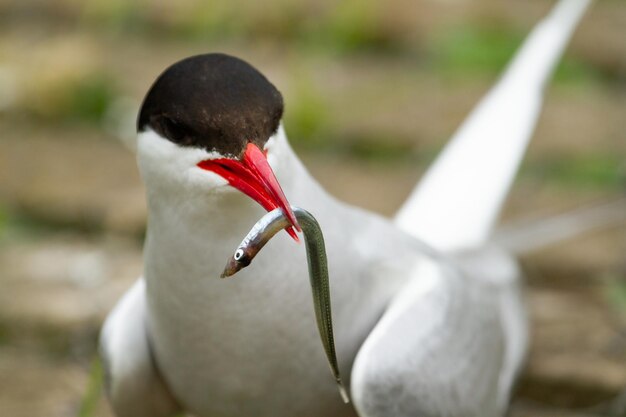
260, 234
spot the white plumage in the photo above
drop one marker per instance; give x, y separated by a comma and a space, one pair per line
421, 331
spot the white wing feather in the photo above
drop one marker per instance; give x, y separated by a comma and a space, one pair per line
134, 385
437, 351
453, 339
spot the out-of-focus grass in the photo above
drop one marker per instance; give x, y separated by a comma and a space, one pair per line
573, 72
346, 26
350, 26
307, 114
83, 98
14, 228
205, 21
309, 119
4, 334
95, 390
18, 225
595, 170
470, 50
4, 221
88, 99
478, 50
93, 393
116, 16
194, 20
378, 148
615, 293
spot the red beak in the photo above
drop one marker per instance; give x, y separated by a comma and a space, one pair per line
254, 177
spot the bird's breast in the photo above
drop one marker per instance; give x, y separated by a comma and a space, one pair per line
247, 345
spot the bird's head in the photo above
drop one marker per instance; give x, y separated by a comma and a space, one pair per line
209, 121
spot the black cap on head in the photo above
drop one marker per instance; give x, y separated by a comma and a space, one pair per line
213, 101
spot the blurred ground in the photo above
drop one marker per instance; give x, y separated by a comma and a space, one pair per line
372, 91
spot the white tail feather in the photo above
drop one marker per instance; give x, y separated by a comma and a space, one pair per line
460, 197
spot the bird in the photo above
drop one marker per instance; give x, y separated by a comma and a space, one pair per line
428, 313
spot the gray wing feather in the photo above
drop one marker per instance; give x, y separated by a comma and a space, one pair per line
133, 383
440, 349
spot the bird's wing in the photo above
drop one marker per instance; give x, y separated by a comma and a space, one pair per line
497, 269
133, 383
458, 200
534, 234
440, 349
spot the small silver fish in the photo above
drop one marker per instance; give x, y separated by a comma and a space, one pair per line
261, 233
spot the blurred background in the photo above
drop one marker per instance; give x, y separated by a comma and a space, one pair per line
373, 90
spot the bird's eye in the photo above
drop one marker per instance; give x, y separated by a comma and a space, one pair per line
238, 254
174, 130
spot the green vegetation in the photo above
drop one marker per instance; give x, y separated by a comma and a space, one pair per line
4, 334
346, 26
307, 115
615, 293
88, 99
93, 392
205, 21
574, 72
74, 98
474, 50
4, 221
380, 149
350, 26
596, 170
16, 225
470, 51
115, 16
